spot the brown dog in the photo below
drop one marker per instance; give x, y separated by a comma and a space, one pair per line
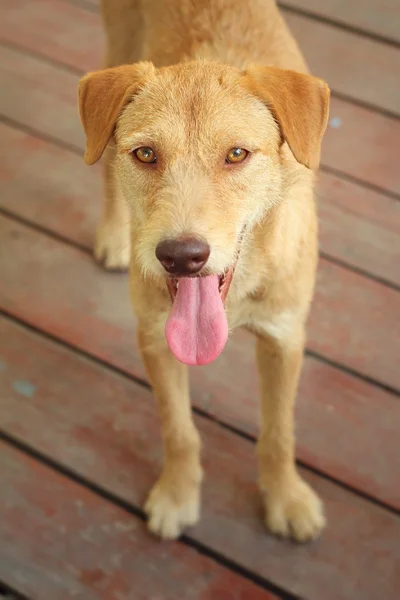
209, 180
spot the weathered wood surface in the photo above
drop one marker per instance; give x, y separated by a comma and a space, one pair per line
342, 58
60, 541
50, 294
359, 227
105, 428
377, 18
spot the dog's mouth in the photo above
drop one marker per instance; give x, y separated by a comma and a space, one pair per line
197, 327
224, 282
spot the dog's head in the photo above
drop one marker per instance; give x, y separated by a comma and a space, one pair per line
198, 154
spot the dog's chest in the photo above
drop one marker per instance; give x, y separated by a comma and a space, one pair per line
259, 316
246, 312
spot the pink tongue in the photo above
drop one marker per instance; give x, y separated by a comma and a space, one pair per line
197, 328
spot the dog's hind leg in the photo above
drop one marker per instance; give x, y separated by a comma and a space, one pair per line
112, 248
123, 27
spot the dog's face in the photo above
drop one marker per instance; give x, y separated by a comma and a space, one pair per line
198, 149
198, 160
197, 157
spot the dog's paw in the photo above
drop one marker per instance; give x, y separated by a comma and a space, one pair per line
112, 248
294, 511
166, 516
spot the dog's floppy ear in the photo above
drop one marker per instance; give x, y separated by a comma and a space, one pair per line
300, 105
102, 96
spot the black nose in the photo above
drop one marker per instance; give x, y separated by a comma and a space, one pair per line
183, 256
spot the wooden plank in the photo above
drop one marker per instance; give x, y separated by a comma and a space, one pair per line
356, 322
52, 107
51, 187
353, 65
362, 144
105, 428
359, 227
43, 285
60, 540
54, 28
373, 16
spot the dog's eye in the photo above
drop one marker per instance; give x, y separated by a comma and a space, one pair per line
236, 155
145, 155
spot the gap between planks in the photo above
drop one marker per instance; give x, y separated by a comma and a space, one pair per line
9, 593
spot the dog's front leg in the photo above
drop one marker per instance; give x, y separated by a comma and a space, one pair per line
174, 501
292, 508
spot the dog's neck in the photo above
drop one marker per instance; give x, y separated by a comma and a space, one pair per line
224, 31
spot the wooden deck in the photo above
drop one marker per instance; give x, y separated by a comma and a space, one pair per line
76, 413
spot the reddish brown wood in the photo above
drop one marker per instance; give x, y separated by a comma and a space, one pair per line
342, 58
58, 29
362, 144
49, 186
105, 428
337, 417
52, 107
359, 142
380, 18
356, 322
358, 226
62, 291
60, 541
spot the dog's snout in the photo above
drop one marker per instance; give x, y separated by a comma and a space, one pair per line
185, 256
